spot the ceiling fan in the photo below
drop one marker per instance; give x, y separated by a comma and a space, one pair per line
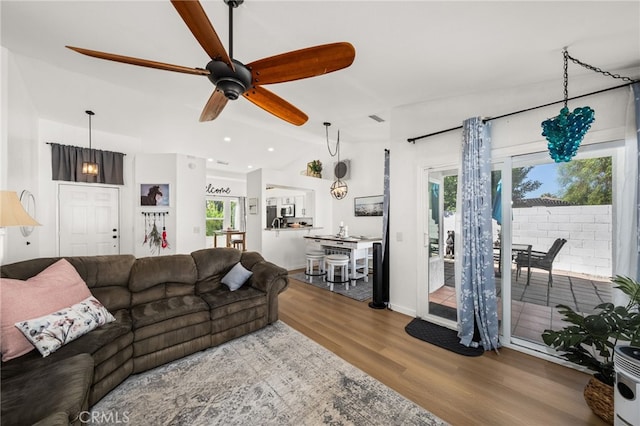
232, 78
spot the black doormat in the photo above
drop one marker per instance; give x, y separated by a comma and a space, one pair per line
440, 336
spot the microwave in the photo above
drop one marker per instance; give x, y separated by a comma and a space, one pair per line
288, 210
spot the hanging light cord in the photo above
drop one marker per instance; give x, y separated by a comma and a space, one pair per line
589, 67
89, 113
333, 154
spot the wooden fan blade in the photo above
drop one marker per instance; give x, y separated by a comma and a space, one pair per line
214, 106
196, 19
275, 105
140, 62
304, 63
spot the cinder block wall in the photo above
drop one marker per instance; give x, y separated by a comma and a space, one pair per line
587, 230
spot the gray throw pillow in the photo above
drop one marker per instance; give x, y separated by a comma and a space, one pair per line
236, 277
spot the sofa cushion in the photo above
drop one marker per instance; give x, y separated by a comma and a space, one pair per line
35, 395
236, 277
98, 343
212, 265
148, 272
100, 273
50, 332
224, 302
160, 310
56, 287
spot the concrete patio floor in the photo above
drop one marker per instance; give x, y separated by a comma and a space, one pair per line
533, 306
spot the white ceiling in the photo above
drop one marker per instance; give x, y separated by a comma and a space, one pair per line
406, 52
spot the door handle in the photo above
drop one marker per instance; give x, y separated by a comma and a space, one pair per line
115, 236
114, 229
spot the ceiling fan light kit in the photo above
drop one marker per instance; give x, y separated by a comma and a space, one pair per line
232, 78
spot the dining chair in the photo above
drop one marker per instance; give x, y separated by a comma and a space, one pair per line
539, 260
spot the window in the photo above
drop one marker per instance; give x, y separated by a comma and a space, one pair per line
215, 216
221, 213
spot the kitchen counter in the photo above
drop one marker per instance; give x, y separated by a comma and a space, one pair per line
353, 238
301, 228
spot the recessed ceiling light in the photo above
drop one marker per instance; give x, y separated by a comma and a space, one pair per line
227, 139
270, 149
250, 167
210, 159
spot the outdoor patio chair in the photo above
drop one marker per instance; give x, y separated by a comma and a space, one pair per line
539, 260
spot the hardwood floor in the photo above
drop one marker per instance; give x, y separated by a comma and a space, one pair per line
510, 388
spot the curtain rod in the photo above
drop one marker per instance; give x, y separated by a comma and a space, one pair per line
93, 149
413, 140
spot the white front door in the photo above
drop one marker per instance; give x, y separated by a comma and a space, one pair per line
89, 223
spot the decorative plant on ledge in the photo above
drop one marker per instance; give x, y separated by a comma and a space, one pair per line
315, 168
590, 340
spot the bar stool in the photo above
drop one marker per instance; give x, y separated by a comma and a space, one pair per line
334, 261
314, 256
238, 244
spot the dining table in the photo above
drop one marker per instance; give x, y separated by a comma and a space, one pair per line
229, 240
515, 249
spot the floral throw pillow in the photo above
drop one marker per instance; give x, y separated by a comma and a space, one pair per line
50, 332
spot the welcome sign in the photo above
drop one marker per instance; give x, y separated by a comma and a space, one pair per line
218, 187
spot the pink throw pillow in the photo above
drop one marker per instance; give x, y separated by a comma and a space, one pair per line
55, 288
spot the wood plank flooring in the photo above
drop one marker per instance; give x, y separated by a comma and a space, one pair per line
510, 388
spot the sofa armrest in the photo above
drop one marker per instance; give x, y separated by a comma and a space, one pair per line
271, 279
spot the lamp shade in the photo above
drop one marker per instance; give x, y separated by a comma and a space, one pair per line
339, 189
89, 168
11, 211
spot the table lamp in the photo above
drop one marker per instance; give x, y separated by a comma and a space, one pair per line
11, 211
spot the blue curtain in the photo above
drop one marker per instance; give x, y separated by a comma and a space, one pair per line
478, 308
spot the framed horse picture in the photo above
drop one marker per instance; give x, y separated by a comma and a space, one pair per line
154, 194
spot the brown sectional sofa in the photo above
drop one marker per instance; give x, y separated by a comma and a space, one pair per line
166, 307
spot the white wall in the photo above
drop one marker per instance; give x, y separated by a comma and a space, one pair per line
366, 179
19, 156
225, 184
185, 224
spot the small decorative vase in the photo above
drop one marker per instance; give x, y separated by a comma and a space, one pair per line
316, 174
599, 397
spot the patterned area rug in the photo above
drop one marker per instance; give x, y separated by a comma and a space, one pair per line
274, 376
361, 291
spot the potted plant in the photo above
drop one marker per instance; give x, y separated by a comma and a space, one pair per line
589, 341
314, 168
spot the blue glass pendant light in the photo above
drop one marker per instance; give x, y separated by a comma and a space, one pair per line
564, 133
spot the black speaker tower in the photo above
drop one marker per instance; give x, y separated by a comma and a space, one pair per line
380, 284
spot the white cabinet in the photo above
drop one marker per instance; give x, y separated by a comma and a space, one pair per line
300, 209
272, 201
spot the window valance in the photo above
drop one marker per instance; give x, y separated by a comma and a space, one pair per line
66, 164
